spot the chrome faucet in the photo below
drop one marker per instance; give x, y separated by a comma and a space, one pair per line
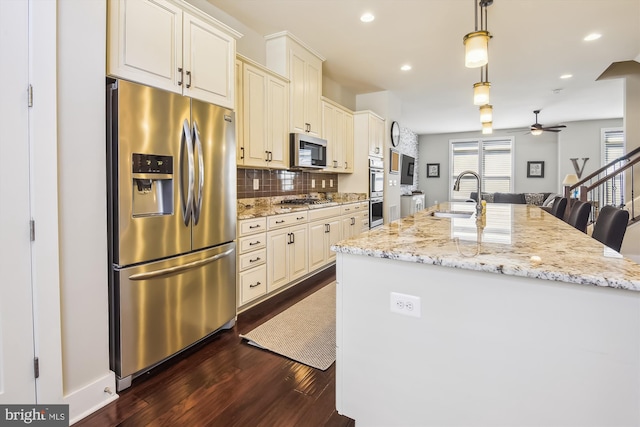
456, 187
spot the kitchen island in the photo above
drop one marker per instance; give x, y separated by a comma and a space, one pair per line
513, 319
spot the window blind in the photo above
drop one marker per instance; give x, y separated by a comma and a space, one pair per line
492, 159
613, 149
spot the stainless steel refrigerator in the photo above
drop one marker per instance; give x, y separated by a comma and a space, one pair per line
172, 224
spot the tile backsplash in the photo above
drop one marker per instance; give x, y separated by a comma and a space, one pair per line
283, 183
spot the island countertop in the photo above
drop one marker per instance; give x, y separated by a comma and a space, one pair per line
519, 240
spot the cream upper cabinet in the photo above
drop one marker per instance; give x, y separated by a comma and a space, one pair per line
337, 129
290, 57
370, 131
172, 46
263, 116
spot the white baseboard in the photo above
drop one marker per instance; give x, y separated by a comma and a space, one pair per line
91, 397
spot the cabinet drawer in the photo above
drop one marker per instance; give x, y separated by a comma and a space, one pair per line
251, 243
322, 213
279, 221
253, 284
252, 259
350, 208
251, 226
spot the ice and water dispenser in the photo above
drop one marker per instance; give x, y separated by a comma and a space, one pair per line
152, 180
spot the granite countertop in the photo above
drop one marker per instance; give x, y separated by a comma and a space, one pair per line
267, 206
519, 240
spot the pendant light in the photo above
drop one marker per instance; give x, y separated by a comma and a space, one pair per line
476, 43
486, 113
487, 128
481, 89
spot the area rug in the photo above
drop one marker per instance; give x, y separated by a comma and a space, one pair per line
305, 332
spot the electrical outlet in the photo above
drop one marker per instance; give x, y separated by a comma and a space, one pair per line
256, 184
408, 305
323, 183
331, 183
313, 183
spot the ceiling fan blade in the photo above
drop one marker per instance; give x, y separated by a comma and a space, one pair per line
550, 130
554, 127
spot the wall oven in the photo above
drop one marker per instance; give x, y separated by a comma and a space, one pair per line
376, 188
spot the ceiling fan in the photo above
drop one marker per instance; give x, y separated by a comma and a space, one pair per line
537, 128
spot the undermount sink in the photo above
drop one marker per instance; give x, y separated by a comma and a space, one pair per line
452, 214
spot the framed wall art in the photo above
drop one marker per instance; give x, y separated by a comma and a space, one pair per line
433, 170
535, 169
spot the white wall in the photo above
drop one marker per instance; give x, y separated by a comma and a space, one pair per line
581, 140
82, 203
577, 140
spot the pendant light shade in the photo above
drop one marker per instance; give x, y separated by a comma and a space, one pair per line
476, 49
486, 113
487, 128
536, 131
481, 93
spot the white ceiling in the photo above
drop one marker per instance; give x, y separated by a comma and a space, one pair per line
534, 42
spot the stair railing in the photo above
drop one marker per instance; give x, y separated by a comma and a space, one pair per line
593, 187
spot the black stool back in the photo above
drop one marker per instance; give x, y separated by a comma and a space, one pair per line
559, 205
579, 215
610, 227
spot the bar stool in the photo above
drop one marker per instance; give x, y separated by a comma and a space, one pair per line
579, 215
611, 226
559, 205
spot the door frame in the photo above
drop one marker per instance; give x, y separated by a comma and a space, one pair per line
44, 200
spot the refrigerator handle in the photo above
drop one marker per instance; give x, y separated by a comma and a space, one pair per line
186, 140
179, 268
197, 201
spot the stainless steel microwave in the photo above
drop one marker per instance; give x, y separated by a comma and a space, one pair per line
308, 151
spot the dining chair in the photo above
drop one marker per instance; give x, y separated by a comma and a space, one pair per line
558, 207
611, 226
579, 215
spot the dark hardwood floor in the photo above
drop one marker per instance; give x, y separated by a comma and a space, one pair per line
226, 382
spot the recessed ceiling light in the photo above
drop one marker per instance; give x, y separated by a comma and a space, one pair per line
592, 37
405, 67
367, 17
566, 76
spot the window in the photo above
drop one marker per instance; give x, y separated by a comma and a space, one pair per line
491, 158
613, 147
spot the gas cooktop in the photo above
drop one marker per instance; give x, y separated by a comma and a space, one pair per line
307, 201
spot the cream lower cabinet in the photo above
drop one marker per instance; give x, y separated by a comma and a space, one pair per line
287, 256
354, 219
252, 258
325, 229
287, 249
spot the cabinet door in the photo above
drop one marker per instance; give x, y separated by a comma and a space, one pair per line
145, 42
277, 259
313, 91
328, 133
298, 252
277, 132
239, 115
254, 118
317, 244
333, 237
348, 143
347, 226
209, 59
339, 138
297, 90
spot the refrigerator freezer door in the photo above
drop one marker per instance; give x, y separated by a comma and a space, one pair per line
150, 167
168, 305
215, 206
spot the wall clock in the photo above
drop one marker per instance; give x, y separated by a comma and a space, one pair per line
395, 134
